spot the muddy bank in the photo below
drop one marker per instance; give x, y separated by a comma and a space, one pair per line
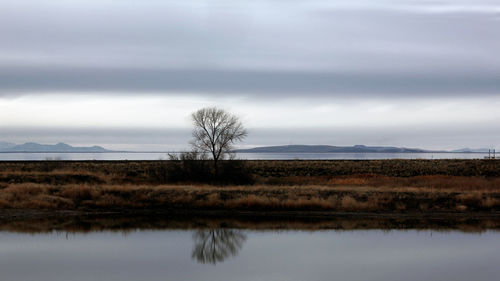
36, 221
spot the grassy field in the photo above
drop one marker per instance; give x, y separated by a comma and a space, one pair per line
381, 186
261, 171
251, 198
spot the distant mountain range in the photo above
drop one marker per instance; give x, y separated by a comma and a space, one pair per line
472, 150
36, 147
62, 147
345, 149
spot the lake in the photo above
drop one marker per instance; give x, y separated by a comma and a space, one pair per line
179, 251
249, 156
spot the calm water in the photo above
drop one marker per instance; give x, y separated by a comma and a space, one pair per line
233, 254
142, 248
277, 156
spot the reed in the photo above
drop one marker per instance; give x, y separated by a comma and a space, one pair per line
336, 186
259, 197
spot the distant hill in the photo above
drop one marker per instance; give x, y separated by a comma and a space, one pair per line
331, 149
36, 147
472, 150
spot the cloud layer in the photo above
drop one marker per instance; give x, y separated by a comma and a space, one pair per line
373, 47
259, 84
281, 64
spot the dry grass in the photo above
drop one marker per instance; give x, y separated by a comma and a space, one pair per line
437, 182
390, 168
442, 173
323, 198
346, 186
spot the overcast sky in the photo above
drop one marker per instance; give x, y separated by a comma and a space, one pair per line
127, 74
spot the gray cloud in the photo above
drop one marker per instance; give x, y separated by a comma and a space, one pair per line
345, 48
253, 83
316, 52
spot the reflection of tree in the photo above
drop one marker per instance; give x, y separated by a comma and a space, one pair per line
215, 245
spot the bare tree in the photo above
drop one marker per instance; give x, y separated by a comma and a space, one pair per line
215, 132
215, 245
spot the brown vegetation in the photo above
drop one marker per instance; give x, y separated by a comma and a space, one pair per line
340, 172
389, 186
253, 198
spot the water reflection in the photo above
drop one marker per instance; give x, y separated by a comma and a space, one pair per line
165, 254
158, 248
215, 245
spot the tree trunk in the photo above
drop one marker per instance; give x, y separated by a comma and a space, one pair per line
216, 170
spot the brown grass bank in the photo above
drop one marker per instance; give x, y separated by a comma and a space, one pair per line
248, 198
271, 172
376, 186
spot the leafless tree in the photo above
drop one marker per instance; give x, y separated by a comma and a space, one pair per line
215, 245
215, 132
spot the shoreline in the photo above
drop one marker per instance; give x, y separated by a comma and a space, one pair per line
36, 221
12, 214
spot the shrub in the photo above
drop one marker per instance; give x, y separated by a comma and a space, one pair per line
193, 167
